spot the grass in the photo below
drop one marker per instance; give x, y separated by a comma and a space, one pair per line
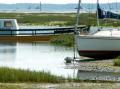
25, 79
63, 40
49, 19
116, 61
5, 86
9, 75
58, 19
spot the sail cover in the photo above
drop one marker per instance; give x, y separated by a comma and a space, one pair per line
106, 14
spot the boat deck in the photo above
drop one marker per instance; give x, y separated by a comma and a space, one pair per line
113, 33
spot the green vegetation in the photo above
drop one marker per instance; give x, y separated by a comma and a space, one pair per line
117, 61
58, 19
63, 39
5, 86
25, 79
9, 75
49, 19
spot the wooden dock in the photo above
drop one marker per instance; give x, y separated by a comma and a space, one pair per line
32, 35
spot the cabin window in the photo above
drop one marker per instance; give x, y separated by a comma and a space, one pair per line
7, 24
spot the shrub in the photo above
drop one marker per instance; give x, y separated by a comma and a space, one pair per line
63, 39
117, 61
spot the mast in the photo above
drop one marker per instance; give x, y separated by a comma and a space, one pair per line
77, 16
76, 25
98, 22
40, 6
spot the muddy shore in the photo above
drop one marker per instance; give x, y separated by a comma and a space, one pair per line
60, 86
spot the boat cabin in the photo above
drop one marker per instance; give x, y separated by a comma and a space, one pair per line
6, 25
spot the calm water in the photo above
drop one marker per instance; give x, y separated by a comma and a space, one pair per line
36, 56
43, 56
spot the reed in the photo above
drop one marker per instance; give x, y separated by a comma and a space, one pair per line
10, 75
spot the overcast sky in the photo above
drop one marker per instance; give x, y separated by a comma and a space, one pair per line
56, 1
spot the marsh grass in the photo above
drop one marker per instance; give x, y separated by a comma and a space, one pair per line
63, 39
19, 75
49, 19
5, 86
58, 19
116, 61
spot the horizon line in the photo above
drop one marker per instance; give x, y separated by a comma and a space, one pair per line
55, 3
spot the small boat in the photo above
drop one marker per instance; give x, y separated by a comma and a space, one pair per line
10, 27
11, 32
102, 44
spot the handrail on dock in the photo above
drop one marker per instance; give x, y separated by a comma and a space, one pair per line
33, 32
32, 35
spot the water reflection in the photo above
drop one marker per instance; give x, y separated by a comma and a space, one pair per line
7, 52
36, 56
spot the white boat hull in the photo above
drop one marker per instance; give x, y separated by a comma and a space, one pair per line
98, 46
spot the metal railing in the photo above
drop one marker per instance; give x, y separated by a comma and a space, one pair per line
35, 32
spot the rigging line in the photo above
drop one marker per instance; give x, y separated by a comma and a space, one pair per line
40, 6
98, 22
109, 5
109, 8
117, 10
89, 12
116, 7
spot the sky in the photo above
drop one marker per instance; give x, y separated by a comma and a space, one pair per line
56, 1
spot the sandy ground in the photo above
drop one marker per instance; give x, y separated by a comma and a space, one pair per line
99, 65
61, 86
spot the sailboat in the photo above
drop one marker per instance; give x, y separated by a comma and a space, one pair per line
102, 44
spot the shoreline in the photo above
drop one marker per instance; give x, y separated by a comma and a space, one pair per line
96, 66
99, 70
60, 86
